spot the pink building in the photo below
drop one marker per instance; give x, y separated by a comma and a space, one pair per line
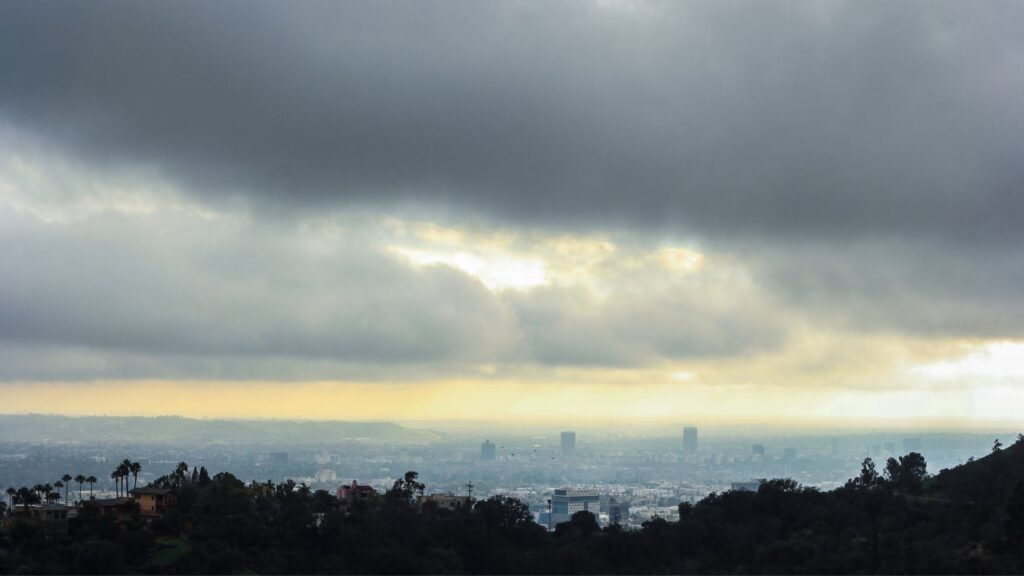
348, 493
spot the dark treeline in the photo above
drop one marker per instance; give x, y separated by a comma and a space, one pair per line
896, 519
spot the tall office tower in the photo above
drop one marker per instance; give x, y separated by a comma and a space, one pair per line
618, 512
911, 445
757, 450
487, 451
568, 444
690, 440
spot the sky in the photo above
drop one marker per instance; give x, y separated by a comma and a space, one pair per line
594, 211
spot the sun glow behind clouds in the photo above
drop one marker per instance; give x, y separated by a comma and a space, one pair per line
998, 361
496, 271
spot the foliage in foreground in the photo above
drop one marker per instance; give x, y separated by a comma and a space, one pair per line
966, 520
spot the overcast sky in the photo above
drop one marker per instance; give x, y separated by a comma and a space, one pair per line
663, 210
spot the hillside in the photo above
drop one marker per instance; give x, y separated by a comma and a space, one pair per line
142, 430
961, 521
988, 480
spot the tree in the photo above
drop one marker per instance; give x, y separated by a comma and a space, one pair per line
67, 484
583, 522
776, 485
907, 473
997, 445
179, 473
80, 479
126, 469
135, 468
11, 493
91, 480
60, 484
115, 475
502, 512
407, 488
868, 475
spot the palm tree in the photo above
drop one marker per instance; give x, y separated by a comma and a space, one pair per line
135, 468
58, 485
91, 480
80, 479
11, 492
126, 470
27, 496
67, 484
115, 475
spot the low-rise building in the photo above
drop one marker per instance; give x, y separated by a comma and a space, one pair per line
52, 518
114, 507
349, 493
154, 501
567, 501
446, 501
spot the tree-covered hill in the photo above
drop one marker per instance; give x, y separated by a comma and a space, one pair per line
891, 519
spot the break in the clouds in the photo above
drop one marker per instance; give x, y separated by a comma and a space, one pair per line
130, 280
414, 190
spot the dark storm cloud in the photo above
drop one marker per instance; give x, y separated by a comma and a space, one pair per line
831, 120
901, 287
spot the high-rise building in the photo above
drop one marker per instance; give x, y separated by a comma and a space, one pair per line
690, 440
757, 450
618, 512
567, 501
568, 444
487, 451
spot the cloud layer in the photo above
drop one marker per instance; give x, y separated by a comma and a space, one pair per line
415, 190
838, 119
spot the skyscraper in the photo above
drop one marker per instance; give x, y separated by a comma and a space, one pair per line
487, 451
757, 450
568, 444
690, 440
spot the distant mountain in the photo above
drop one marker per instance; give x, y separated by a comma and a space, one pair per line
53, 428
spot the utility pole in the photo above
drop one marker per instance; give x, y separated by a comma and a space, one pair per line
469, 489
